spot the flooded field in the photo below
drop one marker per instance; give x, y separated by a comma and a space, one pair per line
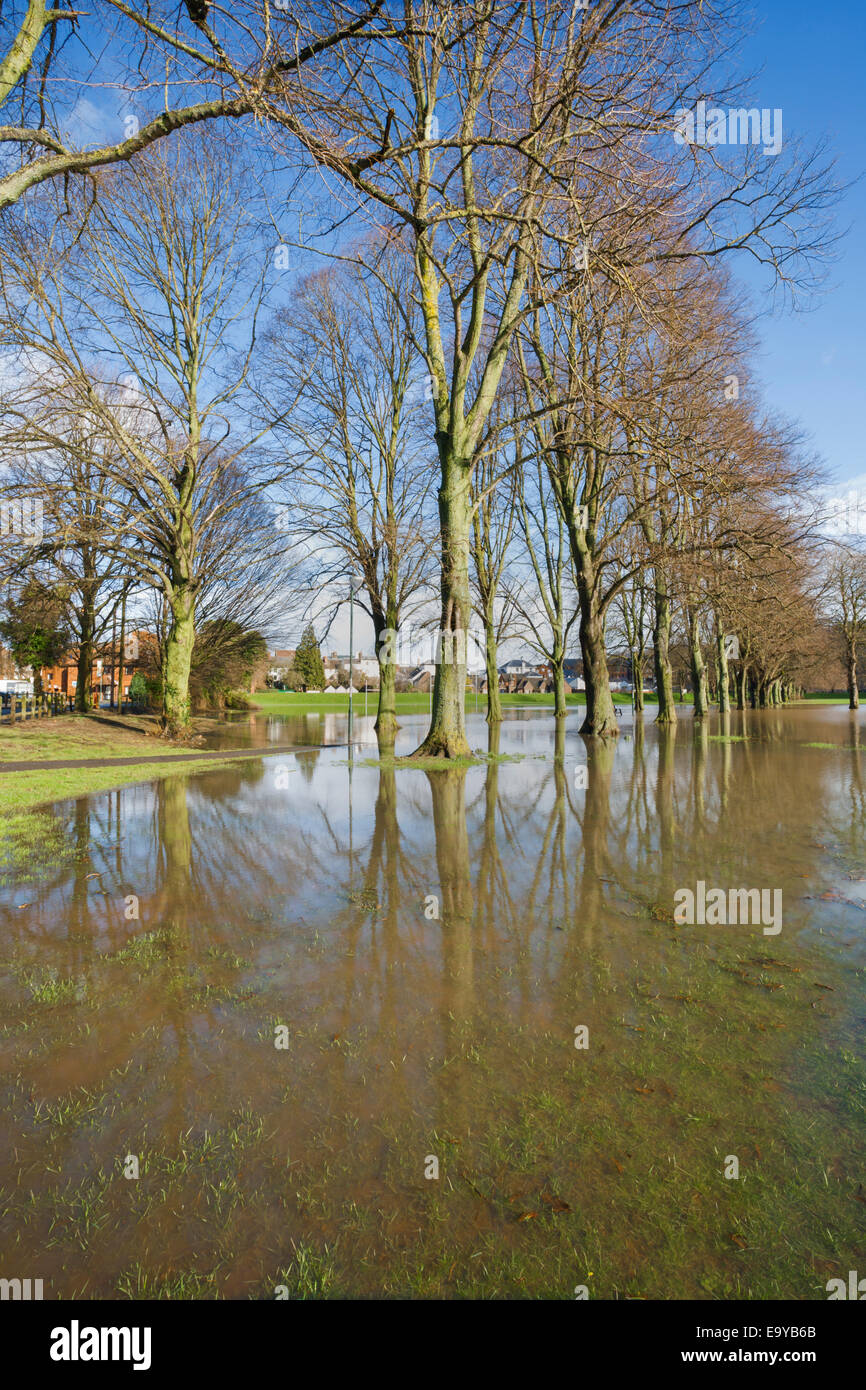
324, 1029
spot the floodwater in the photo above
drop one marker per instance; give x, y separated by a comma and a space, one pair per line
313, 1028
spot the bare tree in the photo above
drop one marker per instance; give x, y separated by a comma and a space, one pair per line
361, 476
545, 607
68, 477
145, 321
494, 483
845, 601
226, 62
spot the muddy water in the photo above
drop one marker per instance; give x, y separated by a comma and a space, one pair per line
289, 994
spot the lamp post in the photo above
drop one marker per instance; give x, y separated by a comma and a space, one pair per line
351, 653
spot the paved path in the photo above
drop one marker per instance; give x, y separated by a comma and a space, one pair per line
46, 765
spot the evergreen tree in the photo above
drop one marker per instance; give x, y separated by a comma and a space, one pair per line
33, 628
308, 661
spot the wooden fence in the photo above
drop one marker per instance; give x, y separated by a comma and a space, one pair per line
14, 707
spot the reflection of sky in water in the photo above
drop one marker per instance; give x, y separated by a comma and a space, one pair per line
659, 814
303, 904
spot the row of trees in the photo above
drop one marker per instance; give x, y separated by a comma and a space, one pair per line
519, 370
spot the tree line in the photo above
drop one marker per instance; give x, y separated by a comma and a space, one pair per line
497, 354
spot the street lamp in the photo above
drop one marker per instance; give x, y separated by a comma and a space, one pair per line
354, 585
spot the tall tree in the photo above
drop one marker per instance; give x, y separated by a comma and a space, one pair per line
32, 627
226, 63
143, 319
360, 476
308, 661
846, 604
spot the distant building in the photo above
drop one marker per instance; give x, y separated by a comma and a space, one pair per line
362, 665
140, 649
421, 677
518, 666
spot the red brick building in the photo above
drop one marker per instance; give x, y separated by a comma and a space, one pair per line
141, 652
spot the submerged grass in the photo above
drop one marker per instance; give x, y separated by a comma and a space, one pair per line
558, 1167
305, 1172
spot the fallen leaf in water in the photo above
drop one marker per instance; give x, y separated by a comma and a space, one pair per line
818, 985
840, 898
776, 964
555, 1203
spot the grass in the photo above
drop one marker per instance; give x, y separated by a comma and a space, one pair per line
475, 759
82, 736
29, 837
557, 1168
288, 702
834, 698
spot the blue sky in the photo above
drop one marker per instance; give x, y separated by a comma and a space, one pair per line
812, 364
807, 59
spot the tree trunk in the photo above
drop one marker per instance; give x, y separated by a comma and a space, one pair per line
699, 669
600, 718
386, 712
122, 662
853, 689
85, 655
491, 659
637, 681
447, 734
661, 658
178, 659
560, 708
742, 686
722, 664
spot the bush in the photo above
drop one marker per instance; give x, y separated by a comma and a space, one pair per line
140, 693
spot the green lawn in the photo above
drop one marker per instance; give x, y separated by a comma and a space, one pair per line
67, 737
285, 701
833, 699
82, 736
